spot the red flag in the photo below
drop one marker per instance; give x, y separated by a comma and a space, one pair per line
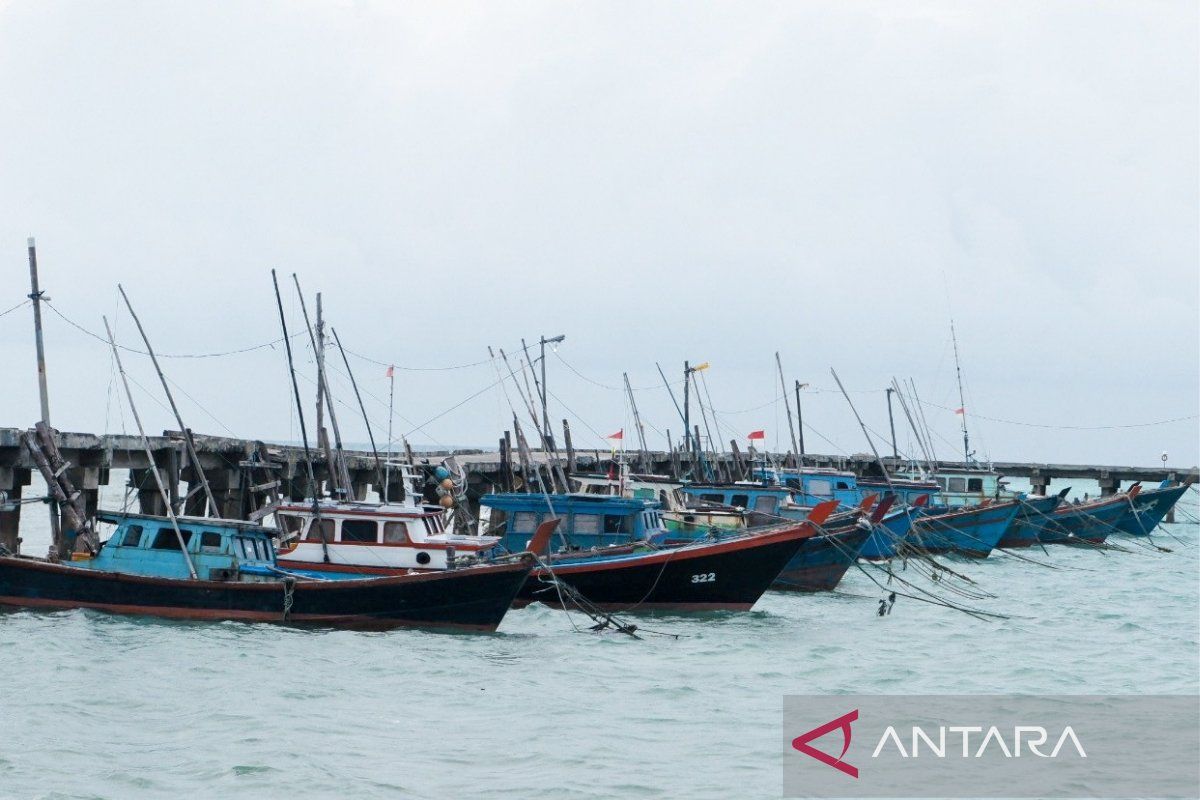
618, 435
390, 371
962, 411
756, 435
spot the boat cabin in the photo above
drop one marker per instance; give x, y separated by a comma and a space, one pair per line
382, 537
588, 521
758, 504
969, 487
220, 550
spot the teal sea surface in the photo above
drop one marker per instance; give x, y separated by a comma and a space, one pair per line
106, 706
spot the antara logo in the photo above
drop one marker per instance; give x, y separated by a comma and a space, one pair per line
801, 743
1033, 737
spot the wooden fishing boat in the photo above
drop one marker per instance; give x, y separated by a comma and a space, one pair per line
729, 573
1089, 521
1031, 520
972, 531
1150, 507
213, 569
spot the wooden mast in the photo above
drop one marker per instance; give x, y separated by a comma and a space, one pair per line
35, 295
188, 441
312, 480
158, 481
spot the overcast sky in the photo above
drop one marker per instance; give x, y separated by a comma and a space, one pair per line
658, 181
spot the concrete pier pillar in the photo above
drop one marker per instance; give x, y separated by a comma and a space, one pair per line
1039, 484
1109, 485
12, 481
149, 500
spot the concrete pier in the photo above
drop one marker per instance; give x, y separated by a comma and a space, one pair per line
244, 474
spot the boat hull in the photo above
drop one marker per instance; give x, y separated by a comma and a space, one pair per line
1031, 520
822, 561
971, 532
726, 575
1090, 522
1150, 507
893, 528
473, 599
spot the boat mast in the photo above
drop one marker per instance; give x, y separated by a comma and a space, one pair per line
892, 423
962, 403
337, 461
312, 479
188, 442
637, 421
35, 295
800, 420
787, 405
162, 490
387, 465
370, 435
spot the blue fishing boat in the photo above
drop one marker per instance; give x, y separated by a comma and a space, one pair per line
1031, 520
1087, 522
895, 527
214, 569
1150, 507
972, 531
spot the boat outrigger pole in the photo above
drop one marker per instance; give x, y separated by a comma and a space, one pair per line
162, 490
787, 405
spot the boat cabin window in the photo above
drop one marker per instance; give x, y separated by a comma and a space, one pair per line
166, 539
315, 532
132, 536
360, 530
524, 521
289, 523
395, 533
821, 488
957, 484
942, 483
975, 484
764, 504
615, 523
586, 523
254, 549
792, 483
713, 498
740, 500
843, 485
210, 542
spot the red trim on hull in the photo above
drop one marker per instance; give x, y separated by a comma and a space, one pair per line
210, 615
801, 531
624, 607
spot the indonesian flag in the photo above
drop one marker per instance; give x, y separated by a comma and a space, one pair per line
618, 435
391, 371
756, 435
962, 411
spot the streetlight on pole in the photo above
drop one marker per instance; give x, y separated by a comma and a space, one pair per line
542, 342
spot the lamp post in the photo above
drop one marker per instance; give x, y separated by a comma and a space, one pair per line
542, 342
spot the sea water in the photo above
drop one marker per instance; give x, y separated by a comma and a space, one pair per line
93, 705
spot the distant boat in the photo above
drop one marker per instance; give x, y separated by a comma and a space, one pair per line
1150, 507
973, 531
142, 569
